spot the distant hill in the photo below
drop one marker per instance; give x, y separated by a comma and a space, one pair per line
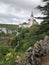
9, 26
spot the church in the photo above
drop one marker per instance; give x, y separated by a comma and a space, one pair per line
31, 21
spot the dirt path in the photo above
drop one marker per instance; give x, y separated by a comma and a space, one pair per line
45, 60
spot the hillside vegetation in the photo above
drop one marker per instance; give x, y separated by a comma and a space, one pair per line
26, 38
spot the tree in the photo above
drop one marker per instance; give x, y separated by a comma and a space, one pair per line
45, 11
45, 23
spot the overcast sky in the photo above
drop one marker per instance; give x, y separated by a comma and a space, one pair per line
17, 11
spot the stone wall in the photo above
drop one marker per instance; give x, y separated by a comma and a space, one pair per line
34, 55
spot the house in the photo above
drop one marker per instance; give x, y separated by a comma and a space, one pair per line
7, 31
3, 30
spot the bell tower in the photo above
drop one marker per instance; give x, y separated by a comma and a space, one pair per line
31, 19
31, 14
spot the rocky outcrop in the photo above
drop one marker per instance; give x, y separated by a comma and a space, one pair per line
35, 55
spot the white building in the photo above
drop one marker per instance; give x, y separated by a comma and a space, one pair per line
3, 30
31, 21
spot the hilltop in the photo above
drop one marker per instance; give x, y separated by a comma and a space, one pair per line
9, 26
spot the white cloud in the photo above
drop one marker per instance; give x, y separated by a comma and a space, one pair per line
3, 8
17, 11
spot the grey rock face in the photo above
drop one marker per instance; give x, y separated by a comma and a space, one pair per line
34, 55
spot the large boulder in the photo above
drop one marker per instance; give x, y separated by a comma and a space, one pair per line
34, 55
